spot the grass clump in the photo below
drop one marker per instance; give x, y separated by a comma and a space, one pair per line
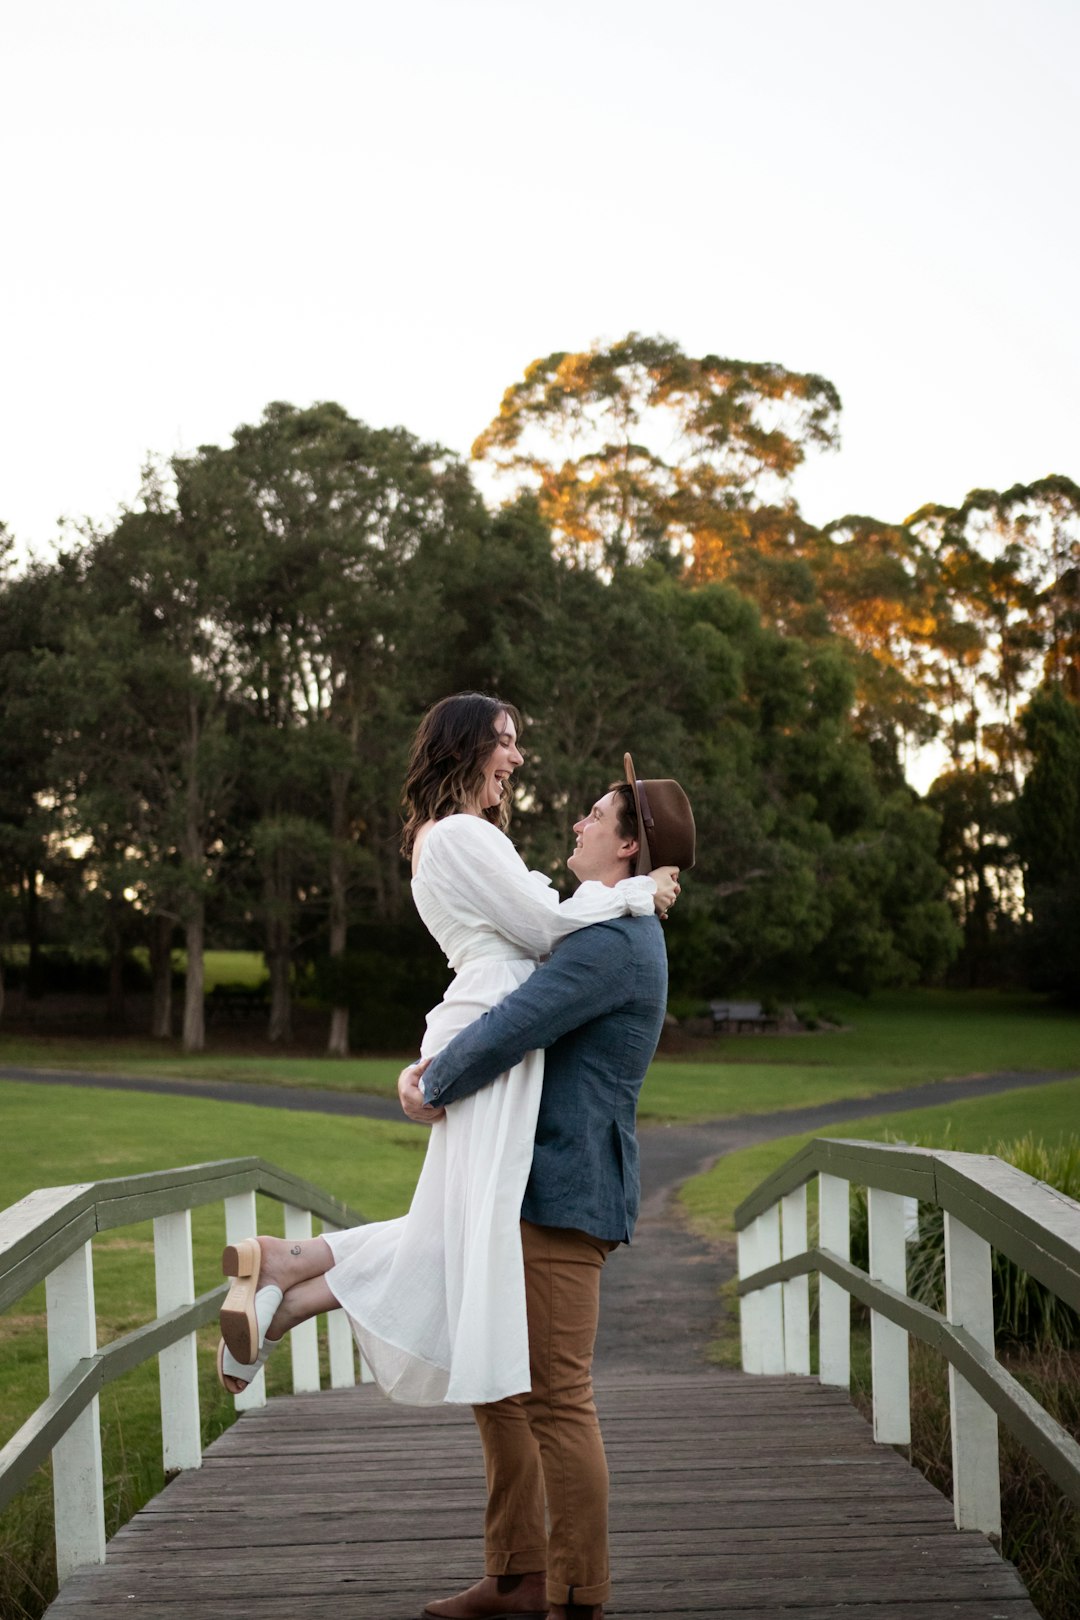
1040, 1527
1027, 1315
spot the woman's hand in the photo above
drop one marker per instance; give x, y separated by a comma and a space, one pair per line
666, 879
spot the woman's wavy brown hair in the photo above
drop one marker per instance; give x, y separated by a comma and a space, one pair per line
452, 745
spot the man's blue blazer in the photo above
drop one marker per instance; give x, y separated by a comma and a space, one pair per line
597, 1006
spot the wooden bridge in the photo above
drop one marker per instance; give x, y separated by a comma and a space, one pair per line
736, 1495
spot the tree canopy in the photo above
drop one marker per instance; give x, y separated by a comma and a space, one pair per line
205, 710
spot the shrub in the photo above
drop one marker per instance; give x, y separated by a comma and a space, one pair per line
1026, 1314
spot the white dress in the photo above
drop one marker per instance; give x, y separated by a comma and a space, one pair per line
437, 1297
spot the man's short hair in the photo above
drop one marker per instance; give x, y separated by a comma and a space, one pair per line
626, 821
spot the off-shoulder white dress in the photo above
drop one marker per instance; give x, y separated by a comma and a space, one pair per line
437, 1297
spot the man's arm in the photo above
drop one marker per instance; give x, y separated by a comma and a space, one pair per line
588, 975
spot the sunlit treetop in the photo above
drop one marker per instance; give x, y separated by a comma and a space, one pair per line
633, 447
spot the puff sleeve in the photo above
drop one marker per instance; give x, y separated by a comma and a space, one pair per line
474, 870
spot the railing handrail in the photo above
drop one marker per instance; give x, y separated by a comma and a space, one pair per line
41, 1237
48, 1225
1036, 1226
987, 1205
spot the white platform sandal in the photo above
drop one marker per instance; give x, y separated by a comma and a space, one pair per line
247, 1309
229, 1367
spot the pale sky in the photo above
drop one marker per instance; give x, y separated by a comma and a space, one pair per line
211, 204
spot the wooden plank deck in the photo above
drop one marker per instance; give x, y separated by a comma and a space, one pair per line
732, 1497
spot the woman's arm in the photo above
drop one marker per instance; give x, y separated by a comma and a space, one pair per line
475, 869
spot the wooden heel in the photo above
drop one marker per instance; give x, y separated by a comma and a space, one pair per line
241, 1259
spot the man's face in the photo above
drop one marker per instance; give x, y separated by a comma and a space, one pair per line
600, 852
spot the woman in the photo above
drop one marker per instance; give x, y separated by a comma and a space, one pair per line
436, 1297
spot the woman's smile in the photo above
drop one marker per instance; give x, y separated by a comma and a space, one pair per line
501, 764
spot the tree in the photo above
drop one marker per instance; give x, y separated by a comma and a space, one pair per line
324, 525
146, 680
1048, 840
592, 433
805, 866
975, 803
29, 813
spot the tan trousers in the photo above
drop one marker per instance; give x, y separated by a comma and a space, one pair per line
547, 1443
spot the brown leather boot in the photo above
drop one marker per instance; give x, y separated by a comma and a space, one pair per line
496, 1597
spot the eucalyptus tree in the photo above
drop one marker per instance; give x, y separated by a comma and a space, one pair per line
876, 585
322, 525
635, 449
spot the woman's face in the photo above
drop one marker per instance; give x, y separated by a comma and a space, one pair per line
501, 763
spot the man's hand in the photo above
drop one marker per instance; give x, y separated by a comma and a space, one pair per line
411, 1097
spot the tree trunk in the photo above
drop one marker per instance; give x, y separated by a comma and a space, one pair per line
35, 987
161, 937
1, 989
279, 961
194, 850
115, 1010
278, 892
338, 1044
194, 1009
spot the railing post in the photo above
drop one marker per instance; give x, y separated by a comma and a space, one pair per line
796, 1291
339, 1341
834, 1302
969, 1303
771, 1309
889, 1341
241, 1222
305, 1338
78, 1494
749, 1304
178, 1371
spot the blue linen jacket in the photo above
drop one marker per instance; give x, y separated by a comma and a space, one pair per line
597, 1006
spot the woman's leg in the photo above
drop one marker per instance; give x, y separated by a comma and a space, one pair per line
287, 1262
262, 1270
308, 1298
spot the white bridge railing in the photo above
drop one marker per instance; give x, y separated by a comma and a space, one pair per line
987, 1204
47, 1236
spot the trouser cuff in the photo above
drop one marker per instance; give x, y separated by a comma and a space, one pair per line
578, 1594
532, 1561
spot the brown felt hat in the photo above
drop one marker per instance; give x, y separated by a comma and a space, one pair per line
665, 822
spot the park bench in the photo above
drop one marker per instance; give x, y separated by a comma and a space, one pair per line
741, 1018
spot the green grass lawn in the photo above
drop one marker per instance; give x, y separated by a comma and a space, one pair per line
894, 1039
228, 967
1051, 1112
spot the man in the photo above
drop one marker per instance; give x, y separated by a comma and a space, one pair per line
597, 1005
